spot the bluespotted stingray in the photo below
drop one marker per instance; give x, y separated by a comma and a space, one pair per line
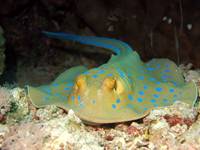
123, 89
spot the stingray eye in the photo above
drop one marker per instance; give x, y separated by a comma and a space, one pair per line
119, 87
80, 83
111, 84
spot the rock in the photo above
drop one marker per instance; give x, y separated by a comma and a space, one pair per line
10, 6
2, 50
5, 100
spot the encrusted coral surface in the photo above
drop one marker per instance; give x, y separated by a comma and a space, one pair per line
25, 127
64, 132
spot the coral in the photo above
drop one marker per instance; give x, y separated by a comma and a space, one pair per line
191, 137
25, 136
13, 105
2, 50
48, 112
174, 120
19, 106
135, 129
166, 125
58, 133
3, 131
178, 109
118, 141
5, 100
69, 130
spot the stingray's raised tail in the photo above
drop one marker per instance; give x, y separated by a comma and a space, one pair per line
114, 45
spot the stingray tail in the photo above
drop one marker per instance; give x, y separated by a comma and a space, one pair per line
116, 46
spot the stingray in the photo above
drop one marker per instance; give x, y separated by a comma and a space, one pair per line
123, 89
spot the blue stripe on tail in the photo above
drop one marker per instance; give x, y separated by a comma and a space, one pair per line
114, 45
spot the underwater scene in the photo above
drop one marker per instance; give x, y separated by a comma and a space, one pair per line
99, 75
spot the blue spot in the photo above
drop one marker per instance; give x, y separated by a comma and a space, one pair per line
150, 69
69, 84
171, 90
72, 98
118, 101
158, 89
101, 71
66, 89
110, 75
175, 96
141, 77
55, 84
145, 87
152, 100
158, 82
165, 77
165, 101
167, 65
113, 106
94, 76
175, 84
158, 66
79, 98
167, 70
130, 97
145, 109
155, 95
141, 92
48, 90
152, 79
57, 95
139, 99
87, 72
81, 105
